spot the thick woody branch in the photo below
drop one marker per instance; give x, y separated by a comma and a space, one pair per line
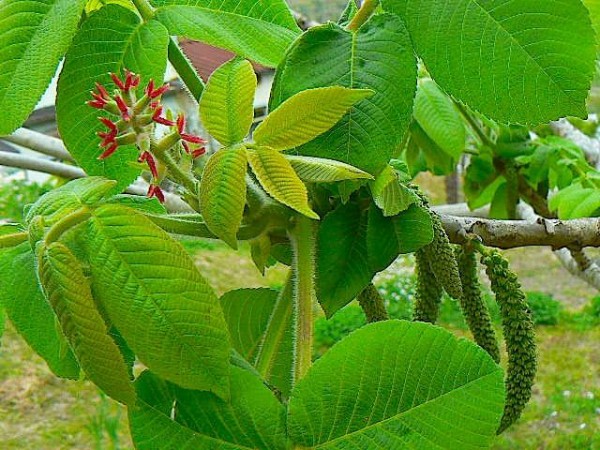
40, 143
40, 165
522, 233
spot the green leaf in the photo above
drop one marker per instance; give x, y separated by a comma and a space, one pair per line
320, 170
252, 419
35, 34
59, 202
227, 104
223, 193
514, 61
260, 323
152, 292
391, 196
26, 307
276, 175
349, 13
111, 40
378, 57
271, 11
306, 115
68, 291
575, 201
439, 118
436, 160
398, 384
387, 237
260, 252
342, 261
223, 25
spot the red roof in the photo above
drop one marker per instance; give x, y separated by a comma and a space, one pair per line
206, 58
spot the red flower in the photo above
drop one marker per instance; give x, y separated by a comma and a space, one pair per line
156, 117
123, 108
118, 82
109, 124
155, 191
103, 92
185, 136
109, 151
154, 93
199, 152
131, 80
149, 159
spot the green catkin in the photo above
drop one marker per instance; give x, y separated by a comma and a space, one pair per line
371, 302
474, 309
428, 295
442, 260
518, 333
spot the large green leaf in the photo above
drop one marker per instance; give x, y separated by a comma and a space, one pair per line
320, 170
398, 385
227, 104
277, 177
306, 115
26, 307
378, 57
35, 34
515, 61
152, 292
228, 25
111, 40
439, 118
342, 260
69, 293
260, 323
223, 193
252, 419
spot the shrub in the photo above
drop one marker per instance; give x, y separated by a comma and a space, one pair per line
544, 308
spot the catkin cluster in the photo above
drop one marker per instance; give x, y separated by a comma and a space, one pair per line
472, 305
518, 334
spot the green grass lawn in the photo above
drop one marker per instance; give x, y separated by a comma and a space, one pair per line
38, 411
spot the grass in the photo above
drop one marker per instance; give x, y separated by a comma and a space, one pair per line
38, 411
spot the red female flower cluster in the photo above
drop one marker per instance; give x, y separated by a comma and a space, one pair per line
136, 121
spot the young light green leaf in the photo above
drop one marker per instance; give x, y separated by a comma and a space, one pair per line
26, 307
575, 202
398, 384
223, 193
276, 175
252, 419
35, 34
68, 291
438, 117
110, 40
306, 115
380, 57
260, 323
142, 276
59, 202
514, 61
227, 104
342, 262
389, 194
223, 25
320, 170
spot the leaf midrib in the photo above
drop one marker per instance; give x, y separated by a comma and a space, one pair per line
410, 410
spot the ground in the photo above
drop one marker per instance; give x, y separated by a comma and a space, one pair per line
38, 411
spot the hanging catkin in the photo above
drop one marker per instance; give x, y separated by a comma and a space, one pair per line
474, 309
518, 334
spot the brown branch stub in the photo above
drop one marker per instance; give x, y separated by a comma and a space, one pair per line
577, 233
